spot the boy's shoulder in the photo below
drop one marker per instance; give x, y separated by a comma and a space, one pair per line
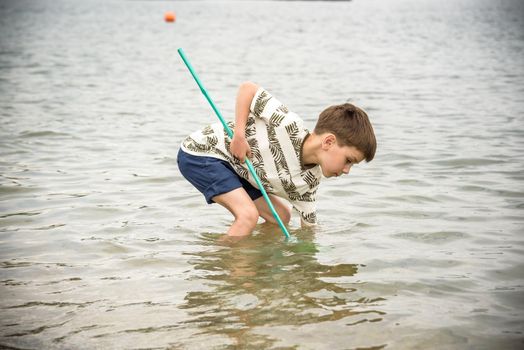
269, 108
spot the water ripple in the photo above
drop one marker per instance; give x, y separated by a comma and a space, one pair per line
104, 244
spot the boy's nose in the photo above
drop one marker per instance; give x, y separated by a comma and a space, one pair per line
346, 169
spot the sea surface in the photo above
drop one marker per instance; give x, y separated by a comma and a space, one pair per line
104, 245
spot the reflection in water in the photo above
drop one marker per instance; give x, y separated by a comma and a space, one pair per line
262, 281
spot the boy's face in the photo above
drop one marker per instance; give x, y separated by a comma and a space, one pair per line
337, 160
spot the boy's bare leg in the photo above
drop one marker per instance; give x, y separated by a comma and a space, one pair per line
283, 210
243, 209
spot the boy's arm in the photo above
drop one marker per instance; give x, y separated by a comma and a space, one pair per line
239, 146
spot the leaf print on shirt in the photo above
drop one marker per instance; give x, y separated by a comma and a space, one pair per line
294, 135
258, 164
255, 152
209, 146
241, 171
261, 103
309, 196
309, 217
283, 109
250, 127
208, 130
277, 153
311, 180
290, 189
276, 119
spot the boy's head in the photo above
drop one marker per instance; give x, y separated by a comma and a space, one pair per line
351, 127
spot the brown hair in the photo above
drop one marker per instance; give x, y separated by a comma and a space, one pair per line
351, 126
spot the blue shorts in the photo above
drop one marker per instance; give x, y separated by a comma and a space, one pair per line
212, 176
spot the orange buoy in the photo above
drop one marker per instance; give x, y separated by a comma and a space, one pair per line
169, 17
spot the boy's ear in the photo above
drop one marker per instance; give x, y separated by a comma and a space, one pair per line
328, 140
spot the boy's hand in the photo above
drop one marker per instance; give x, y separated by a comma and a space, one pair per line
240, 148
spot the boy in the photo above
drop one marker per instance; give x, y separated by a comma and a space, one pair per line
287, 158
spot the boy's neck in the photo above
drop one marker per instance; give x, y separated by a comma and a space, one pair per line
310, 150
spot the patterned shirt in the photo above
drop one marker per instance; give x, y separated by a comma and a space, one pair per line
276, 136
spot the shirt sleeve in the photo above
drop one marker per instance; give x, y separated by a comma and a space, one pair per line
307, 211
264, 105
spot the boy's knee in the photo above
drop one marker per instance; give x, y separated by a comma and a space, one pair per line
249, 216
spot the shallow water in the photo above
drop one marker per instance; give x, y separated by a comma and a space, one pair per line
104, 245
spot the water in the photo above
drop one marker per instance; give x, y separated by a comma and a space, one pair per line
104, 245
